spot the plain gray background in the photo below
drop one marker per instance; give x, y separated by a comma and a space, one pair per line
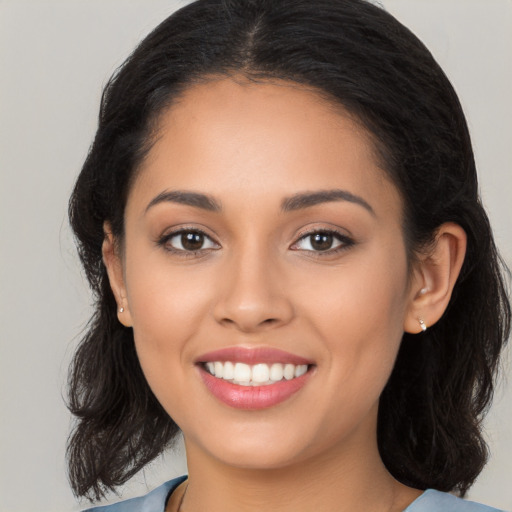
55, 56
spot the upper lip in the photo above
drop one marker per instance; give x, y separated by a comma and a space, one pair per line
253, 355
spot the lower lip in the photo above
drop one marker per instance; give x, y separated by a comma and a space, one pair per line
252, 397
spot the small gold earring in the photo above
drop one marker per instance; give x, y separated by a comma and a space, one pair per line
422, 325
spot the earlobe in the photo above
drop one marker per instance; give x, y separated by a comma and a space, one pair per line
434, 278
113, 264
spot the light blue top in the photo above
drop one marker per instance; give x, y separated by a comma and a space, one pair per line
429, 501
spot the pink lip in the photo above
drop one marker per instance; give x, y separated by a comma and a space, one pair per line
252, 397
252, 356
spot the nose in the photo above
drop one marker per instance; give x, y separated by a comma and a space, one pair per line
253, 294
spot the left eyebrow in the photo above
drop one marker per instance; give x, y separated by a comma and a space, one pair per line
308, 199
195, 199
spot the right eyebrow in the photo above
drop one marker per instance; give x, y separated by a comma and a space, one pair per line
308, 199
195, 199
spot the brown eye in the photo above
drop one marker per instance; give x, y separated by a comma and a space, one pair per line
321, 241
188, 241
192, 241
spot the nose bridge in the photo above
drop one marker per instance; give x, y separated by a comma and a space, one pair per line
253, 294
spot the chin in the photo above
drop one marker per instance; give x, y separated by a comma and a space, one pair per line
262, 446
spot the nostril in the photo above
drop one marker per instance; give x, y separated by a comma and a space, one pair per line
249, 324
249, 313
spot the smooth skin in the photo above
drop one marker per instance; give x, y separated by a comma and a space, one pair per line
255, 276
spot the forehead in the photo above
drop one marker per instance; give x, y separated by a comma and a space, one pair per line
234, 136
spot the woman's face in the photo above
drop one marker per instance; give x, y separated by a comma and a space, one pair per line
260, 231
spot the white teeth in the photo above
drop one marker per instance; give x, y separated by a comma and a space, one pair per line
229, 371
289, 371
301, 369
276, 372
219, 369
242, 372
255, 375
260, 373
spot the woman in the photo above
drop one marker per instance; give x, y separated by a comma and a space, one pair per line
280, 219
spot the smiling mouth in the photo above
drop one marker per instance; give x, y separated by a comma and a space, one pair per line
260, 374
252, 378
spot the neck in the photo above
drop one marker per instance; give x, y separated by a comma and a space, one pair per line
342, 480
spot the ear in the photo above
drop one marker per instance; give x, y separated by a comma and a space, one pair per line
434, 277
113, 263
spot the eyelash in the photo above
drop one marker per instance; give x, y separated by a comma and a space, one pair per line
345, 242
164, 242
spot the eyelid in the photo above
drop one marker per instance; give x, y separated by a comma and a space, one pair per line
345, 239
164, 239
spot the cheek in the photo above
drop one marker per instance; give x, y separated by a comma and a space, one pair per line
167, 304
359, 310
365, 293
